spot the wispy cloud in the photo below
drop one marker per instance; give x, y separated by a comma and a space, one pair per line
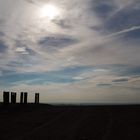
93, 44
124, 31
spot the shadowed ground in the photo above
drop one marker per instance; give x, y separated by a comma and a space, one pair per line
46, 122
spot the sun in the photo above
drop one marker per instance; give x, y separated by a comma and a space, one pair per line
49, 11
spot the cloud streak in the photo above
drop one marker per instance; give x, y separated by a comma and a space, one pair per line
124, 31
92, 47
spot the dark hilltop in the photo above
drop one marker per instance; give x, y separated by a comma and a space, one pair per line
69, 122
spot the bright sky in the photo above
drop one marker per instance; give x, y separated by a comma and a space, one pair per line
78, 51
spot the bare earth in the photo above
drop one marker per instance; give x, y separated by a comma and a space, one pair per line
46, 122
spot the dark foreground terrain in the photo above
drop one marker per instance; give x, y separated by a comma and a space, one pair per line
46, 122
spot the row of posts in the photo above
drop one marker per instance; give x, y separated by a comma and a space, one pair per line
23, 97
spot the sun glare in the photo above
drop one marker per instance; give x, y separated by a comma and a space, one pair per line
49, 11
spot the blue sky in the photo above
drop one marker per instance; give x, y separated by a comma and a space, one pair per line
88, 53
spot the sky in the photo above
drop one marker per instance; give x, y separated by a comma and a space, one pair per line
77, 51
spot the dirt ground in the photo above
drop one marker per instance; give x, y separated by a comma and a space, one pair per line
46, 122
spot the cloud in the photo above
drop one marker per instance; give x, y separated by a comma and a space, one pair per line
63, 23
81, 93
125, 31
31, 1
125, 18
53, 42
21, 50
65, 75
103, 9
92, 45
1, 34
102, 85
3, 47
121, 80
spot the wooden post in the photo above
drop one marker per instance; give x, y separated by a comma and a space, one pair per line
13, 97
36, 98
25, 97
21, 97
6, 97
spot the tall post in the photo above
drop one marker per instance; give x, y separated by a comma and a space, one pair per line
13, 97
6, 97
25, 97
36, 98
21, 97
